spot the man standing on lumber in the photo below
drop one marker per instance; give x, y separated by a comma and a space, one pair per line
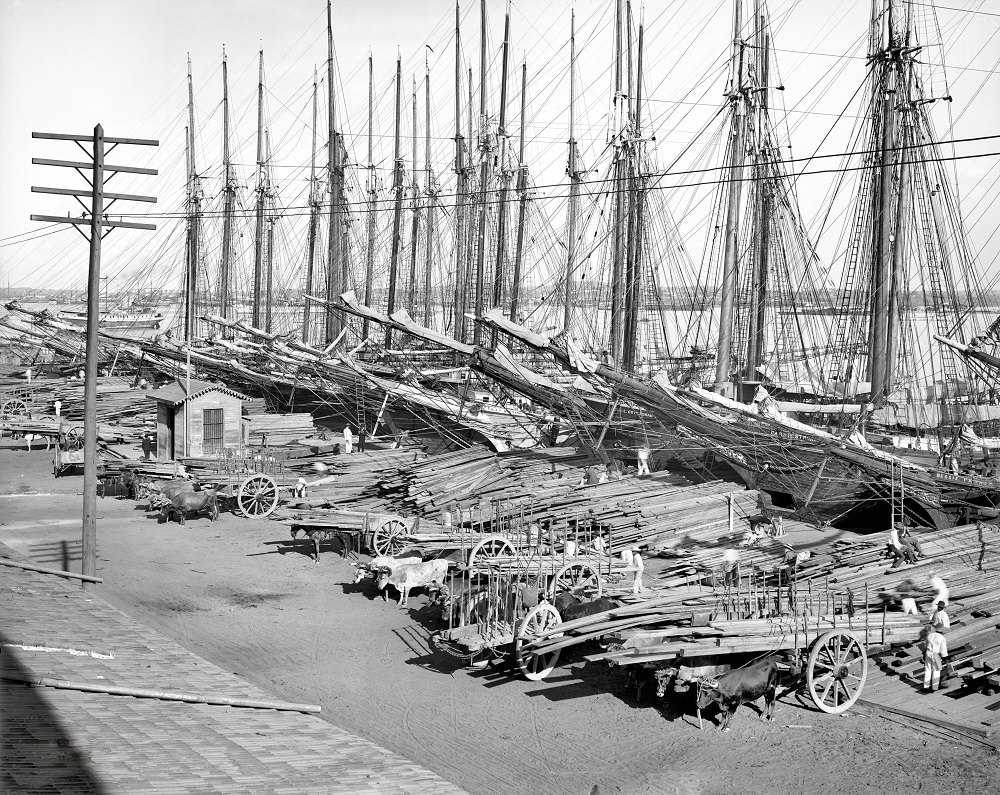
643, 454
348, 440
639, 568
939, 619
934, 658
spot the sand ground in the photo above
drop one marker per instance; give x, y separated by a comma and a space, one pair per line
241, 595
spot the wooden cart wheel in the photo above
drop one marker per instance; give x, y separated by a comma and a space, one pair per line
579, 578
14, 408
490, 547
536, 666
389, 537
74, 438
836, 671
258, 496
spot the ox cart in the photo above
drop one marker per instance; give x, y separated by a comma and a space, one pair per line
688, 634
503, 600
249, 482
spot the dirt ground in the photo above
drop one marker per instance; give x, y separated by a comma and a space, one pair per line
240, 594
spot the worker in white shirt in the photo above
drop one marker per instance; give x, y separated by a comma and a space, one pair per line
348, 440
939, 619
639, 568
900, 552
935, 655
643, 460
940, 590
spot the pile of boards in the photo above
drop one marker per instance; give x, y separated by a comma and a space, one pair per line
280, 429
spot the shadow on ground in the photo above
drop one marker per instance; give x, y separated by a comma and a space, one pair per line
38, 754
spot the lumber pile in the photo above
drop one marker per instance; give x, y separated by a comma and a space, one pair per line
281, 429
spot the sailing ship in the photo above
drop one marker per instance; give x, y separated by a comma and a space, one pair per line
115, 319
623, 368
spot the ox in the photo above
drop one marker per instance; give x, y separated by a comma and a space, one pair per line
739, 686
571, 607
364, 570
318, 534
459, 598
409, 576
190, 502
169, 490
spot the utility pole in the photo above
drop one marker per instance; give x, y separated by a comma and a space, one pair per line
98, 221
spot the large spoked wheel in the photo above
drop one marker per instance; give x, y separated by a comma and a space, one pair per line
13, 408
74, 438
540, 619
257, 497
390, 537
579, 578
491, 547
836, 671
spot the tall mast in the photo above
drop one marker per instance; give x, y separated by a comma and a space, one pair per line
461, 191
411, 283
191, 299
903, 101
484, 175
258, 257
336, 264
429, 188
189, 219
498, 268
574, 182
522, 200
736, 155
620, 211
314, 196
764, 189
472, 216
397, 192
372, 192
878, 365
633, 276
225, 268
269, 281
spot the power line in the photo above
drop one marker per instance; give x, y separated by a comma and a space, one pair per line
359, 209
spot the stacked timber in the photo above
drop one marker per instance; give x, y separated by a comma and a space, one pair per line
281, 429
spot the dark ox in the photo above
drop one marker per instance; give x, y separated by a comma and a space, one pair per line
190, 502
739, 686
319, 534
169, 490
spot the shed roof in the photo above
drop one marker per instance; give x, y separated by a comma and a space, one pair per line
177, 392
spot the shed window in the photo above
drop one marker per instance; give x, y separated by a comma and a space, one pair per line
212, 427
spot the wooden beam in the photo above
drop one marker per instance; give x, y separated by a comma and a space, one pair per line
90, 139
58, 219
44, 161
82, 192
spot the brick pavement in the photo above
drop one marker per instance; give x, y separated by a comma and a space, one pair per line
57, 741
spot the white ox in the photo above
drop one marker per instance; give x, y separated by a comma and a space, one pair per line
408, 576
363, 570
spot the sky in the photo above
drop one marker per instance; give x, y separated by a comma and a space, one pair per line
66, 65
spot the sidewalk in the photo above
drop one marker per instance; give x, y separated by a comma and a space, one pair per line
65, 740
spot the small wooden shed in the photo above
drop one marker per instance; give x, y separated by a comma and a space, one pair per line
209, 417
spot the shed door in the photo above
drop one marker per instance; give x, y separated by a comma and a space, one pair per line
212, 429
